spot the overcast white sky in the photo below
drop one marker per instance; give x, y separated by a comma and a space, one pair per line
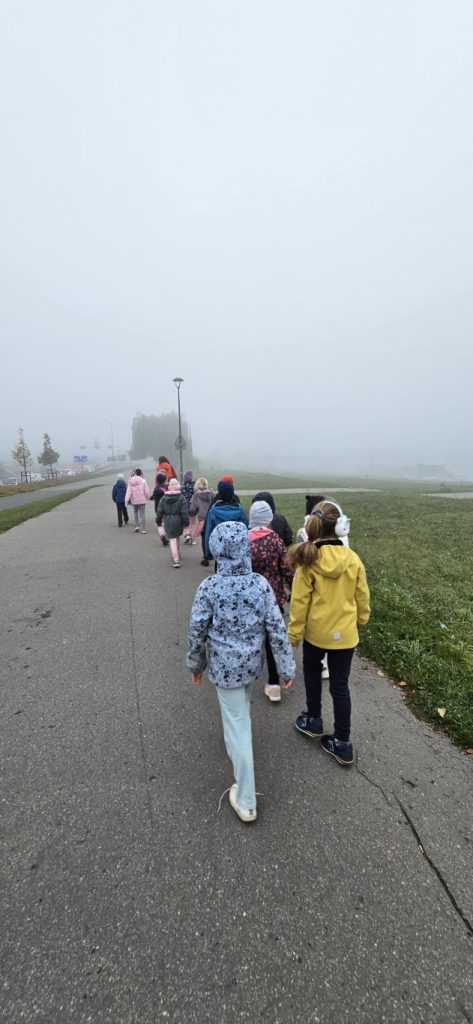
272, 200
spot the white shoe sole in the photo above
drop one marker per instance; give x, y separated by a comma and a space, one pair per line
246, 816
274, 697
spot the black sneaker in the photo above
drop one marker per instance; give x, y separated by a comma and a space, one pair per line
205, 561
342, 752
164, 542
309, 725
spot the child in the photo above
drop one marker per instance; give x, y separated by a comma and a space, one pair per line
166, 467
279, 522
188, 490
330, 599
173, 510
159, 491
268, 557
118, 496
226, 508
311, 500
232, 613
200, 503
137, 493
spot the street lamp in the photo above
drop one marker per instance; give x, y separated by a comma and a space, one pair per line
111, 433
180, 443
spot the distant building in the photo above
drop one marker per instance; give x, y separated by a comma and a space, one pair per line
425, 471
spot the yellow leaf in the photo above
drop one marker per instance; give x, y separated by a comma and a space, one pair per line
402, 684
380, 673
442, 712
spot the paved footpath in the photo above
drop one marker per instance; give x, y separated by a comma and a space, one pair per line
126, 897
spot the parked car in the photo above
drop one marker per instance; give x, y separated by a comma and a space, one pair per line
12, 481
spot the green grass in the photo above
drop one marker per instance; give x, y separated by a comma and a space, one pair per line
321, 483
418, 553
10, 517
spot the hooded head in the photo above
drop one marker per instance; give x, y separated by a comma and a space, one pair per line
261, 514
161, 478
188, 476
265, 496
120, 476
230, 546
226, 490
174, 486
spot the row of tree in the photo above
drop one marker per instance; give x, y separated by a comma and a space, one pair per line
153, 436
22, 455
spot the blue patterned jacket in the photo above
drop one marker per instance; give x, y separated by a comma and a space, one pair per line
232, 612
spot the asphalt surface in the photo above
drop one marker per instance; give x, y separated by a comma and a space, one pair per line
127, 897
24, 497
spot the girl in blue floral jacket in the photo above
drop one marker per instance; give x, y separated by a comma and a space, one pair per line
231, 615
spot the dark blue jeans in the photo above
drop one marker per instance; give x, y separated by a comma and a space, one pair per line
339, 665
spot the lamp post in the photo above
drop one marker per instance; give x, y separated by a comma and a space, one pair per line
111, 434
180, 443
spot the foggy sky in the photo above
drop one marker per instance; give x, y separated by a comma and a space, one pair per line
272, 200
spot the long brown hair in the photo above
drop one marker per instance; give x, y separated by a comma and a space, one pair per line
321, 524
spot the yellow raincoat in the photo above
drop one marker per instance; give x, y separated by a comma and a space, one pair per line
330, 599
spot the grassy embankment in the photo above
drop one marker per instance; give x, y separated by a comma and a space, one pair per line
418, 554
10, 517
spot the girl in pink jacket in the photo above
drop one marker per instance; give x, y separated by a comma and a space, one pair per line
137, 494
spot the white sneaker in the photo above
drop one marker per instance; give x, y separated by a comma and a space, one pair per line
325, 673
273, 692
242, 814
143, 531
137, 529
188, 539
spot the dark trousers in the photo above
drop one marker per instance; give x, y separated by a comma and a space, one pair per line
273, 675
122, 512
339, 664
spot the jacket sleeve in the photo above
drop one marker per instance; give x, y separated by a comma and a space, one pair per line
287, 538
127, 495
193, 507
209, 525
301, 596
114, 493
284, 571
160, 513
184, 511
278, 639
146, 490
362, 597
201, 617
243, 516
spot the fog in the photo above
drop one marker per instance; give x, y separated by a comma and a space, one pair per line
271, 200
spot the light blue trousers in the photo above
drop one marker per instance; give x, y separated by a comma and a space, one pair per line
236, 721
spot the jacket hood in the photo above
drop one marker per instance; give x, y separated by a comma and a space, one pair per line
332, 560
230, 546
171, 498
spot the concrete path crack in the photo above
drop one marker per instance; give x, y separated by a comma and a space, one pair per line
434, 868
430, 862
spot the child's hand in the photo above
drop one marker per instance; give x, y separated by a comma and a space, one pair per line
197, 678
286, 684
295, 644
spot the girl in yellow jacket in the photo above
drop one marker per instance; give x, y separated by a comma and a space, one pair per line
330, 599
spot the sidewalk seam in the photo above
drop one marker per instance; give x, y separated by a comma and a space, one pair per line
138, 715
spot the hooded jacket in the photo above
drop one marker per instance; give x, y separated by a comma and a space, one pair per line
330, 599
200, 504
268, 557
119, 491
231, 615
222, 512
173, 509
137, 491
167, 468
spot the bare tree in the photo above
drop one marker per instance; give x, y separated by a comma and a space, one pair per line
22, 455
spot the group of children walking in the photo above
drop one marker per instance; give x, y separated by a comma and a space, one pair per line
237, 615
237, 619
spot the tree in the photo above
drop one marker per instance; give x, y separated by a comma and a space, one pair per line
21, 454
48, 456
156, 435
